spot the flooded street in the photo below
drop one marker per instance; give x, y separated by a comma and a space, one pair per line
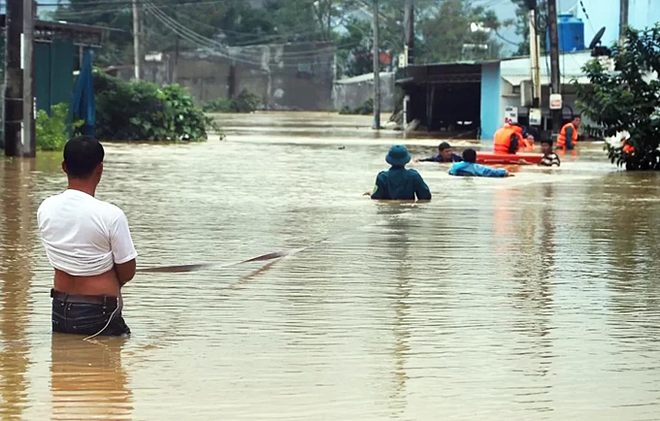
535, 297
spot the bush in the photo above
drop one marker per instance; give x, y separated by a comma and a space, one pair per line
365, 109
52, 132
627, 100
246, 102
143, 111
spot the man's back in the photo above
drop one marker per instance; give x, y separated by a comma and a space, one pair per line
84, 236
89, 245
476, 170
398, 183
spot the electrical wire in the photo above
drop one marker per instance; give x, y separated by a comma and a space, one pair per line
243, 56
584, 10
211, 45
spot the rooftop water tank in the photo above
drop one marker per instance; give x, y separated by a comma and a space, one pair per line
571, 33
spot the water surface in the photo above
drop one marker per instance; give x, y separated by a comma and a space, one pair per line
533, 297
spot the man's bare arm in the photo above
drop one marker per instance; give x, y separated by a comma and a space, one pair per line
125, 271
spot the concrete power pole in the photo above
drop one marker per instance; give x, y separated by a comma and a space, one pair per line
19, 99
137, 30
376, 54
623, 20
409, 38
534, 53
554, 64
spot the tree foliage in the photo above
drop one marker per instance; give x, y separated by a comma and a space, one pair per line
52, 131
143, 111
627, 99
442, 27
447, 36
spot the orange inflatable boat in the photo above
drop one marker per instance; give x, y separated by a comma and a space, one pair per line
505, 158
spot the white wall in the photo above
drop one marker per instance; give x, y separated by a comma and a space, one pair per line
642, 14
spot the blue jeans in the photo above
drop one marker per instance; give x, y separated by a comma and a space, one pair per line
87, 315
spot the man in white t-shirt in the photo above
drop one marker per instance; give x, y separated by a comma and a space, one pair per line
89, 245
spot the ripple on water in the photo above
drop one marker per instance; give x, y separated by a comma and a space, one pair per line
533, 297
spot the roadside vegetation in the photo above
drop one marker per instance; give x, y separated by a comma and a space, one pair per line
627, 101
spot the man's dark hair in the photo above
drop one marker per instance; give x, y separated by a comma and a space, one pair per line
576, 116
82, 155
443, 146
470, 155
546, 141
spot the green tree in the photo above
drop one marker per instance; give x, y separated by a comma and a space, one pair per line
442, 27
627, 99
447, 36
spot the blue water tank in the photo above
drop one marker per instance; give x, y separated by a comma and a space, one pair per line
571, 33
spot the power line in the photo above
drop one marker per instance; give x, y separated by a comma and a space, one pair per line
127, 7
202, 41
211, 42
584, 10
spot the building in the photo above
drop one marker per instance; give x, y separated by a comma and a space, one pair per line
606, 13
353, 92
294, 76
57, 55
473, 98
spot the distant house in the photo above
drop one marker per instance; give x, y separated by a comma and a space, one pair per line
57, 55
292, 76
474, 97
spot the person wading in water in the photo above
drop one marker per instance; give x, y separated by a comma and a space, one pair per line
399, 183
89, 244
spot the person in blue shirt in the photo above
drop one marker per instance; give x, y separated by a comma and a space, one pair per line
469, 167
399, 183
445, 155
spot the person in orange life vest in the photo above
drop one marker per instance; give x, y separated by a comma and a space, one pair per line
528, 141
627, 147
510, 138
568, 136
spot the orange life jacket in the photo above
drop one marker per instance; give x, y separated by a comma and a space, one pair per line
502, 138
561, 140
627, 148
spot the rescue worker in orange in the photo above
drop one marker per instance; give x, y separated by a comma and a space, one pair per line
510, 138
568, 136
627, 147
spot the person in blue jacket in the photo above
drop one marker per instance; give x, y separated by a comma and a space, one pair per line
445, 154
399, 183
469, 167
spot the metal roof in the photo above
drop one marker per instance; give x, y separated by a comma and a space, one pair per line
82, 35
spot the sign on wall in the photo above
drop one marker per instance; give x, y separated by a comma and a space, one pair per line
511, 115
556, 102
535, 117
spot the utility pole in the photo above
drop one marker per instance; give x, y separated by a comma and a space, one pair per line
534, 53
409, 24
137, 30
376, 54
623, 20
554, 65
19, 99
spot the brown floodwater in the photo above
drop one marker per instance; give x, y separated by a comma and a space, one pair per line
535, 297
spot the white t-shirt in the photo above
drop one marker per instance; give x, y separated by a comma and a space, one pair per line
84, 236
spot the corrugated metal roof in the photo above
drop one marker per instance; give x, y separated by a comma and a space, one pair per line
570, 67
516, 80
367, 77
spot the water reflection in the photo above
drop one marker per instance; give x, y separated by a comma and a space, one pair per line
397, 243
525, 237
16, 243
88, 380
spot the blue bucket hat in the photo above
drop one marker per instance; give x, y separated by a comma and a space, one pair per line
398, 156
